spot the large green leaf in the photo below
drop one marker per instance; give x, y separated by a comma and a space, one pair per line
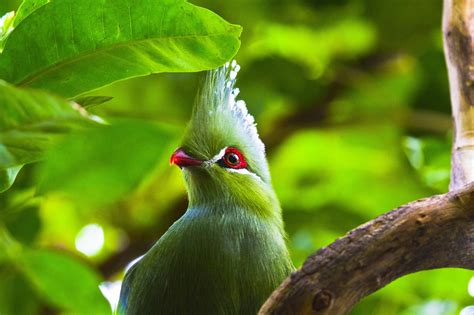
30, 121
64, 281
103, 164
71, 46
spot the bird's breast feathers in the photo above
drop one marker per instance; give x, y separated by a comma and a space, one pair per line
208, 264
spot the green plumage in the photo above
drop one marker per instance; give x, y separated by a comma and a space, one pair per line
227, 253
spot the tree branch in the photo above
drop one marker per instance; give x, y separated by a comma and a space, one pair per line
430, 233
458, 29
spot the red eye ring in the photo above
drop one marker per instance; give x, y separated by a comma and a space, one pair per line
234, 159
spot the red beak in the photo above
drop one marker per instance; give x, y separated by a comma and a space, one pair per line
181, 159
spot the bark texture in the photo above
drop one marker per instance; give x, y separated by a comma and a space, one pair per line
430, 233
458, 30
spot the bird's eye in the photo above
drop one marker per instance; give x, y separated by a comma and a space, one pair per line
233, 159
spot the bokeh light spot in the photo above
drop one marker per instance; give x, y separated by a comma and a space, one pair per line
470, 287
469, 310
90, 239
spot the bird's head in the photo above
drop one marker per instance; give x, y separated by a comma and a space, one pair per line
222, 156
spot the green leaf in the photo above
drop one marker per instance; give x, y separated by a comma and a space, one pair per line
92, 100
7, 177
103, 164
29, 123
9, 247
78, 46
6, 23
64, 281
430, 156
23, 223
5, 27
17, 297
26, 8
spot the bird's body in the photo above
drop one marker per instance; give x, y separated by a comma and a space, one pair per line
227, 253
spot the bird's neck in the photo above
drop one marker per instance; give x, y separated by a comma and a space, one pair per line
258, 201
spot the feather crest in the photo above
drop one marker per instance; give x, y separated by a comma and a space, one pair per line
218, 97
220, 120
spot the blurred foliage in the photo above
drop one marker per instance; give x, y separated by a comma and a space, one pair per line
352, 100
28, 130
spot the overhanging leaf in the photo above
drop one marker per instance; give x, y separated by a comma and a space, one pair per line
101, 165
64, 281
30, 121
80, 46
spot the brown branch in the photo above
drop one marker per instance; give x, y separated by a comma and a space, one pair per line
430, 233
458, 29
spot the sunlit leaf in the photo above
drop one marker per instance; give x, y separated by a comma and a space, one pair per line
64, 281
7, 177
413, 148
6, 27
431, 158
105, 163
26, 8
79, 46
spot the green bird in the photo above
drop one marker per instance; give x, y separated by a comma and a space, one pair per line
227, 253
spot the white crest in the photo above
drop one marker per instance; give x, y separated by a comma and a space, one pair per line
226, 77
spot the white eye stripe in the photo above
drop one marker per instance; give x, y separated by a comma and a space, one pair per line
244, 171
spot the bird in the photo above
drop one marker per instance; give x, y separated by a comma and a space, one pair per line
227, 253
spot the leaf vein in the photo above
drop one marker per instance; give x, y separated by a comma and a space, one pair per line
35, 76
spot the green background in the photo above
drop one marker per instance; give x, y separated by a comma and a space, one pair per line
351, 98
